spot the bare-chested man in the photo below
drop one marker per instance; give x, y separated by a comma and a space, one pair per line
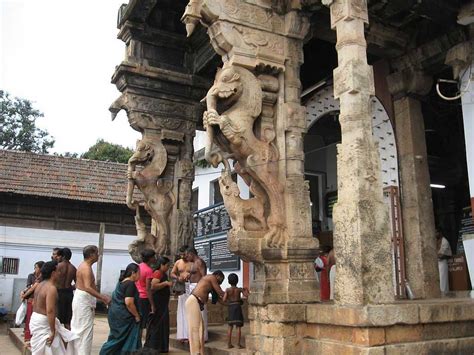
181, 272
83, 304
45, 329
198, 271
66, 275
194, 306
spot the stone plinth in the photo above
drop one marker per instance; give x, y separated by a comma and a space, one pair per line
438, 326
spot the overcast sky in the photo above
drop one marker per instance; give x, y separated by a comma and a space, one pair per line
61, 54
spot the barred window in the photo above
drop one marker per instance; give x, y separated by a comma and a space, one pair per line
9, 265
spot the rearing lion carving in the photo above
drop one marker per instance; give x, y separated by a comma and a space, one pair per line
234, 103
159, 199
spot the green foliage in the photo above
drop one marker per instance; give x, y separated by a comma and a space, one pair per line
106, 151
18, 129
202, 163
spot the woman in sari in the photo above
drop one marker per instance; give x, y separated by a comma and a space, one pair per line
123, 317
158, 327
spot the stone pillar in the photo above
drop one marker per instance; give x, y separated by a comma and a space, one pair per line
361, 224
421, 264
161, 97
254, 117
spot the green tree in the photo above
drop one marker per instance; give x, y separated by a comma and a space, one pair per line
106, 151
18, 129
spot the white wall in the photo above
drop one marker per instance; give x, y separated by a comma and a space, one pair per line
31, 245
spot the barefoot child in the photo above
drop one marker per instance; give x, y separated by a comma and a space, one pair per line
232, 296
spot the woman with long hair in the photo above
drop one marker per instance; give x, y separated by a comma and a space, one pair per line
158, 327
123, 316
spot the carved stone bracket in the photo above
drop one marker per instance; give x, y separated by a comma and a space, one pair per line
460, 57
145, 169
246, 34
409, 81
250, 124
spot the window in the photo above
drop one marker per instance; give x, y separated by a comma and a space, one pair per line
9, 265
216, 196
194, 200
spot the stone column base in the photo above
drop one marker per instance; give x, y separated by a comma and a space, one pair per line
438, 326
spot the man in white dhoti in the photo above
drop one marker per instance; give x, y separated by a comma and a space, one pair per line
180, 273
198, 271
48, 336
444, 253
83, 303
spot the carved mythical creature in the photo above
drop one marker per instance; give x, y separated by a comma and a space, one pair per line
159, 199
234, 102
145, 238
244, 214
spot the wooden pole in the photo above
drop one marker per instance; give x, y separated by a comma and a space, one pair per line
101, 255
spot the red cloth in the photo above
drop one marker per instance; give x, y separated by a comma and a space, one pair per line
325, 288
29, 312
157, 275
146, 272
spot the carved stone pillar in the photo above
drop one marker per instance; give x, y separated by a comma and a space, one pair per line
161, 97
417, 207
254, 118
361, 231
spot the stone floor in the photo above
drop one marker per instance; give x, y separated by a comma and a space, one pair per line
216, 345
101, 331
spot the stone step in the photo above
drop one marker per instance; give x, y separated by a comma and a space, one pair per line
217, 343
16, 336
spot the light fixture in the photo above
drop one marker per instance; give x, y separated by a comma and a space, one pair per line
438, 186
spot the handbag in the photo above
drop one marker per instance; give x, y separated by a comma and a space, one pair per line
20, 314
178, 287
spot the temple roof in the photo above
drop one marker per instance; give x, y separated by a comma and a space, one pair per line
62, 177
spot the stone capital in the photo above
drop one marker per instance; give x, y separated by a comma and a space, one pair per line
460, 57
247, 34
409, 81
347, 10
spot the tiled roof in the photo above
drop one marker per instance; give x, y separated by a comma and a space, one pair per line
60, 177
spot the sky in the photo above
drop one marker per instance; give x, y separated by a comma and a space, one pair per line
61, 55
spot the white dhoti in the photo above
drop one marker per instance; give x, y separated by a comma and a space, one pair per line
443, 275
40, 331
82, 322
181, 321
192, 286
332, 281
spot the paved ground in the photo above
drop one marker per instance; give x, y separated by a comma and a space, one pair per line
6, 346
101, 331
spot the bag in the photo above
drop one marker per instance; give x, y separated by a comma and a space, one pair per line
20, 314
178, 287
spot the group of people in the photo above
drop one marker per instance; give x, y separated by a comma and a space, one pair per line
61, 301
141, 298
61, 304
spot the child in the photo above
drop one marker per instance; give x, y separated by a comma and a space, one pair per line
232, 296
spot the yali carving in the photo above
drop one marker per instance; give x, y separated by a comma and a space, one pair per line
234, 103
151, 156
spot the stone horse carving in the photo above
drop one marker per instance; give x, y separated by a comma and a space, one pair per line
234, 102
159, 199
